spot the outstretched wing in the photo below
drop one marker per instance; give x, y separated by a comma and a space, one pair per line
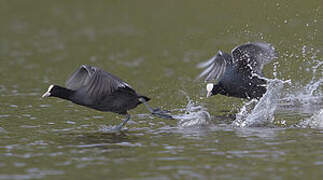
215, 67
253, 56
79, 78
95, 81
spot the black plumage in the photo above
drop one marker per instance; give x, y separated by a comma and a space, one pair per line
238, 74
94, 88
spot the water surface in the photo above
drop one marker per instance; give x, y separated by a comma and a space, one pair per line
155, 46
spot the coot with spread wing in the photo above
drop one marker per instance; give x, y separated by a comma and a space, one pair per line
238, 74
97, 89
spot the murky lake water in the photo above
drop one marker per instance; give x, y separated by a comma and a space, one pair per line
155, 46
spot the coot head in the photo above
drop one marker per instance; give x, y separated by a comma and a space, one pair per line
58, 91
213, 89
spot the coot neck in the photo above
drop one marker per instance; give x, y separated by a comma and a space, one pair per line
217, 89
62, 92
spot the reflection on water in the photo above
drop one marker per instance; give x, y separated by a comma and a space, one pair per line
155, 46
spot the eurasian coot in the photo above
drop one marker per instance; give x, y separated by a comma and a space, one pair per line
238, 74
94, 88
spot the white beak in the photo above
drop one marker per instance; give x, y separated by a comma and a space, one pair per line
208, 94
209, 88
46, 94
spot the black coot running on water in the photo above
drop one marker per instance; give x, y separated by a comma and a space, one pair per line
238, 74
94, 88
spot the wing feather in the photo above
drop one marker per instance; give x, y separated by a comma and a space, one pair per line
103, 83
214, 67
253, 56
96, 82
79, 78
206, 63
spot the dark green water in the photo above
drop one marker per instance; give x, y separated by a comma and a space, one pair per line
155, 46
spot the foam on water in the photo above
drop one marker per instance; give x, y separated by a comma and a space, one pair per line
307, 99
260, 113
316, 121
195, 115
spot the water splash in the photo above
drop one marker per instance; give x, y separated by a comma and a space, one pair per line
308, 99
195, 115
109, 129
260, 112
316, 80
316, 121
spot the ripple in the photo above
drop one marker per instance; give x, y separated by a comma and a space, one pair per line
33, 173
2, 130
19, 164
30, 126
92, 145
4, 115
97, 117
70, 122
38, 143
129, 144
45, 105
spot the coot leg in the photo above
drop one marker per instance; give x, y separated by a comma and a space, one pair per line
156, 112
124, 122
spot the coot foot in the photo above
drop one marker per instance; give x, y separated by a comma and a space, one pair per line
157, 112
161, 113
120, 126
